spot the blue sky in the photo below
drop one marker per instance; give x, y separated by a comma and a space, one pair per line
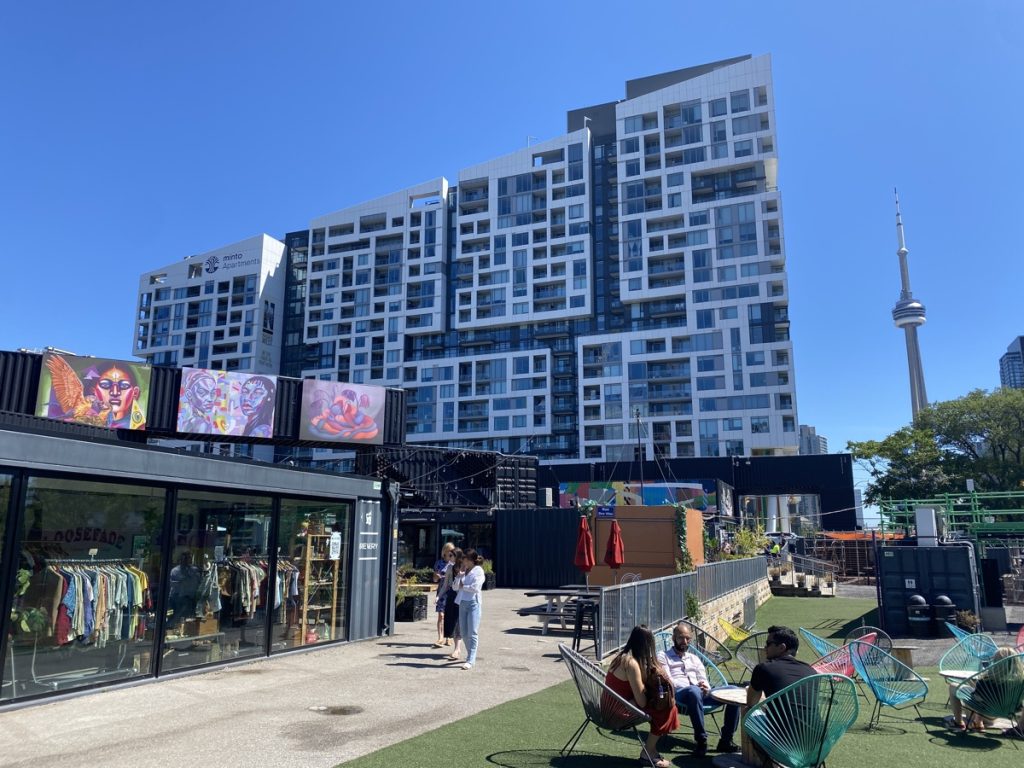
135, 135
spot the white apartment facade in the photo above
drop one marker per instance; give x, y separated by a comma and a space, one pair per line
621, 287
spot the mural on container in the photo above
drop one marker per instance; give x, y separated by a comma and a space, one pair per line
226, 403
341, 412
94, 391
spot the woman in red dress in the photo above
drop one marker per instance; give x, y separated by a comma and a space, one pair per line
626, 675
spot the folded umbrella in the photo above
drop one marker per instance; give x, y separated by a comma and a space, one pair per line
614, 553
584, 558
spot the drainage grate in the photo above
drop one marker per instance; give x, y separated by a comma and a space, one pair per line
345, 709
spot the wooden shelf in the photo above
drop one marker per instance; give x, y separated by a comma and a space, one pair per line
315, 591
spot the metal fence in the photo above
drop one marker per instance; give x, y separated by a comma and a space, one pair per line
659, 603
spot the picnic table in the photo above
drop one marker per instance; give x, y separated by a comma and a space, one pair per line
556, 602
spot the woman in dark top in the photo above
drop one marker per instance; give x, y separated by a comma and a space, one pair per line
440, 569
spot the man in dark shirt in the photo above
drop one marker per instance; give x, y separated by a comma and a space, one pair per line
780, 670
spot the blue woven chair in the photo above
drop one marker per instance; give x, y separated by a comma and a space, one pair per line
970, 654
893, 683
799, 726
956, 632
821, 646
997, 690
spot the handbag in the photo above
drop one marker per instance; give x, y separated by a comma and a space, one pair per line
660, 693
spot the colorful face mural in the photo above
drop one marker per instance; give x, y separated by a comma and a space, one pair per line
223, 403
88, 390
340, 412
698, 495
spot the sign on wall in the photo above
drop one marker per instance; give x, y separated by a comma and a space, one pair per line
341, 412
226, 403
95, 391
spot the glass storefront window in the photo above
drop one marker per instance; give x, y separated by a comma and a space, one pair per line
217, 594
313, 559
83, 606
5, 498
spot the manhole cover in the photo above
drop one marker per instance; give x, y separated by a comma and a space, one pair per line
345, 709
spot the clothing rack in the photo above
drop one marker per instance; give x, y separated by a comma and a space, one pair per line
90, 561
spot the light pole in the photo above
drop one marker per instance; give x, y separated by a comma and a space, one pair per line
640, 455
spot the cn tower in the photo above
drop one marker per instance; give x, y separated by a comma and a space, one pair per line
908, 314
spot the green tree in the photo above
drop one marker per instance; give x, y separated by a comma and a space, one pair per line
978, 436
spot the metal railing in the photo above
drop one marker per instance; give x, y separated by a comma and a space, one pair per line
661, 602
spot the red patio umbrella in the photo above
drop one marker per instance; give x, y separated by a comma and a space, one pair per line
584, 559
614, 553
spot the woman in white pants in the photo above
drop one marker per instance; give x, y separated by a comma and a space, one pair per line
468, 600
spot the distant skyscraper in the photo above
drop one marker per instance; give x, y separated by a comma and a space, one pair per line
1011, 365
908, 314
811, 443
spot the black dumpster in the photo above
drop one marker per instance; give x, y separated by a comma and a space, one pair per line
943, 610
919, 616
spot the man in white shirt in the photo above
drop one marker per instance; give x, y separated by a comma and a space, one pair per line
690, 679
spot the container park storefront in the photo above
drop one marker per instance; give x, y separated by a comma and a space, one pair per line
121, 562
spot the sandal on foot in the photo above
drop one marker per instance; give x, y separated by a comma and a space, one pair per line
452, 657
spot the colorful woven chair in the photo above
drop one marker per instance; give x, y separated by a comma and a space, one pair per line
801, 724
970, 654
892, 682
996, 691
736, 634
820, 645
882, 640
1020, 639
601, 705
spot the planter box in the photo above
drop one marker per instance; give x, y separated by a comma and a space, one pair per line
413, 608
490, 581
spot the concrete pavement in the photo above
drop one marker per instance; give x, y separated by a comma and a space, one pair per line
304, 710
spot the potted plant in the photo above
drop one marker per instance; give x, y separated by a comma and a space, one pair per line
775, 574
410, 604
967, 620
490, 580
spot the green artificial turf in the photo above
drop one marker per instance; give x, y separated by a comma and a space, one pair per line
528, 732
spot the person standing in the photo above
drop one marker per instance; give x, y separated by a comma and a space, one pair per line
450, 588
469, 603
693, 691
440, 571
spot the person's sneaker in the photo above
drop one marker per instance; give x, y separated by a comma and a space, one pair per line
701, 750
726, 746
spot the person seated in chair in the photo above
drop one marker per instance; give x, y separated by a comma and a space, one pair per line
693, 691
985, 689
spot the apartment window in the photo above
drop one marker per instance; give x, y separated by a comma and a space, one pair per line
675, 179
717, 108
743, 148
739, 101
632, 168
633, 125
755, 358
759, 425
705, 318
732, 424
693, 155
761, 96
629, 146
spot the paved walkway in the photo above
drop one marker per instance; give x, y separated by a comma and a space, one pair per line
307, 710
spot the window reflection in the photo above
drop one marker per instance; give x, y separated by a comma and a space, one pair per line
82, 611
314, 544
217, 595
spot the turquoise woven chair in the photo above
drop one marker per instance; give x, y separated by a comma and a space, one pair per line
956, 632
799, 726
821, 646
892, 682
969, 654
996, 691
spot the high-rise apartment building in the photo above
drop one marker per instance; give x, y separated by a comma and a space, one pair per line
811, 443
1011, 365
620, 287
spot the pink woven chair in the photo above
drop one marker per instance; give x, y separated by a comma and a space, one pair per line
1020, 640
839, 661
